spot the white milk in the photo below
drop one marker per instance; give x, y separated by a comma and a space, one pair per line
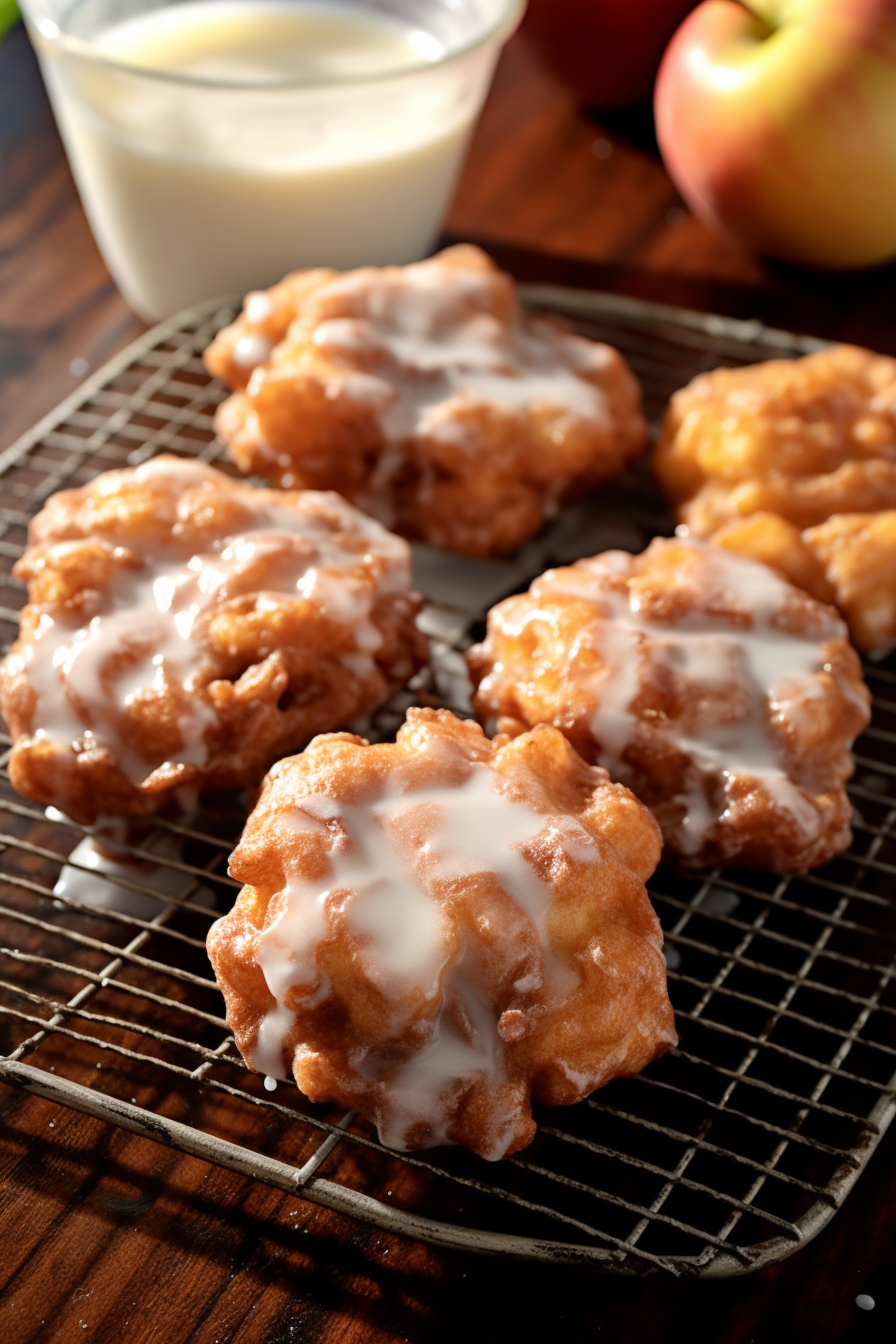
219, 145
263, 43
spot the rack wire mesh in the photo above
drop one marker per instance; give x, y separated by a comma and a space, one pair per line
725, 1155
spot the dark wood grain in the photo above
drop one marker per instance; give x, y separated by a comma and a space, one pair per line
110, 1238
57, 302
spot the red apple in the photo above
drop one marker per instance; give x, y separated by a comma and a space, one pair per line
777, 121
606, 51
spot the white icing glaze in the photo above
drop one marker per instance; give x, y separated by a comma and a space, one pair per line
153, 615
720, 901
755, 661
379, 885
104, 877
251, 349
424, 349
257, 306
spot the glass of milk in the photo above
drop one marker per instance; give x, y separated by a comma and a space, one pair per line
219, 144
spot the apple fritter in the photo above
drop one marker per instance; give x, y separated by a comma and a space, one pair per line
802, 438
759, 458
428, 397
183, 629
440, 930
723, 696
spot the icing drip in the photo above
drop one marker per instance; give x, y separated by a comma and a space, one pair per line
755, 664
115, 867
384, 857
147, 634
94, 877
434, 356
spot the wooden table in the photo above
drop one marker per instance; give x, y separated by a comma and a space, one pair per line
109, 1237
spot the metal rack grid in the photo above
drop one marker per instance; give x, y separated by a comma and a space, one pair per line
725, 1155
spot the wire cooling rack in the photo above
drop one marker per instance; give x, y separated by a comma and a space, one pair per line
725, 1155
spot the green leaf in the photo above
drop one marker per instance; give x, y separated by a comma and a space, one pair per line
9, 12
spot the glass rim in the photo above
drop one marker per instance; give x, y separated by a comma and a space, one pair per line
52, 36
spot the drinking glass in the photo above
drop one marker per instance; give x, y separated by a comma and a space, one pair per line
205, 184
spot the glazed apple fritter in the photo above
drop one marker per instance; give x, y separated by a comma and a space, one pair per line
428, 397
183, 629
779, 459
724, 697
440, 930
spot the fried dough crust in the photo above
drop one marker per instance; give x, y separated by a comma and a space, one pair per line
186, 629
427, 396
849, 560
724, 697
780, 459
440, 930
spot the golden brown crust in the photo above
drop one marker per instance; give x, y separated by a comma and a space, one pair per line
547, 978
723, 697
858, 554
849, 560
200, 628
424, 394
817, 430
775, 459
774, 541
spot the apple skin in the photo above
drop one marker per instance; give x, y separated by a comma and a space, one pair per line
779, 126
607, 52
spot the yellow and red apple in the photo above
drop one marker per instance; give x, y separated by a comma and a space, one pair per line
606, 51
777, 121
